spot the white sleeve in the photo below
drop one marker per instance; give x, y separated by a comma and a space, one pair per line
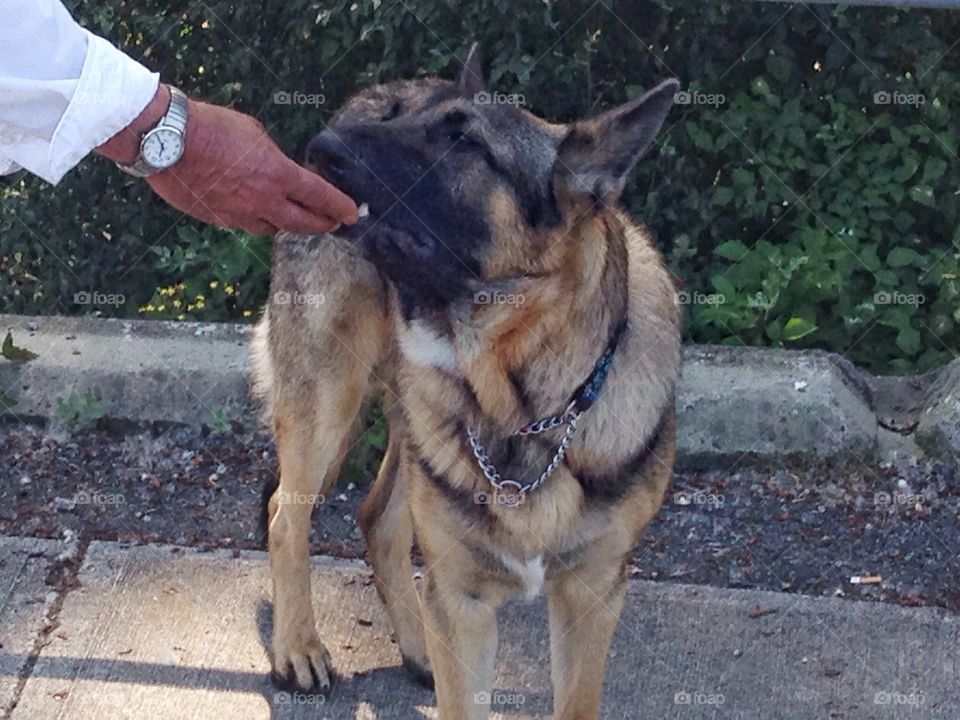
63, 90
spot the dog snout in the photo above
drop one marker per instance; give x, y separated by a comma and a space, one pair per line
329, 154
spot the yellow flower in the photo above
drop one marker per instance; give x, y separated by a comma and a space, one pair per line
214, 284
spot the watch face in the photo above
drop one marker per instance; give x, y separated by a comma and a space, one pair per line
162, 147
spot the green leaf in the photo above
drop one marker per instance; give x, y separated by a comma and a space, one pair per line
922, 194
933, 170
12, 352
722, 195
797, 136
908, 340
731, 250
724, 287
699, 136
900, 139
907, 170
903, 256
797, 328
742, 178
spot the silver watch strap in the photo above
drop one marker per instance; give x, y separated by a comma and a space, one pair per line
176, 118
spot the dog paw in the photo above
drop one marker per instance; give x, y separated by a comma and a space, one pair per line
419, 671
304, 666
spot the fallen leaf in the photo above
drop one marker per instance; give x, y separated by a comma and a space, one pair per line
6, 402
12, 352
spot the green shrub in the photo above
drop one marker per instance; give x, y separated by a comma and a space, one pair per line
787, 189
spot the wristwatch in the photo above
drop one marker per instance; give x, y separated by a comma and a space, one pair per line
162, 146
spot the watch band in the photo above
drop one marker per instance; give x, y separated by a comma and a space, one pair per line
175, 118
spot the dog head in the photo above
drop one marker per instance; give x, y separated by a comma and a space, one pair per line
465, 187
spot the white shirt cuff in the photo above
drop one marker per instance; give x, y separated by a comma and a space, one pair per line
113, 89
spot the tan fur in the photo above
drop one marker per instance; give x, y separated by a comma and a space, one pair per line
493, 368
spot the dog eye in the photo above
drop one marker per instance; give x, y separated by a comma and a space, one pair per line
393, 112
460, 138
462, 141
455, 130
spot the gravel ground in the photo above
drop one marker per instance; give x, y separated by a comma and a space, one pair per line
788, 530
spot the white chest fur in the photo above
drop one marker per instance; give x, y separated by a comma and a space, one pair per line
531, 573
422, 345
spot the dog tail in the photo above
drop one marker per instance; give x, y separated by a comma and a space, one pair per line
268, 489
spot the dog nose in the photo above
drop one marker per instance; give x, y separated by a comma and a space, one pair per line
328, 152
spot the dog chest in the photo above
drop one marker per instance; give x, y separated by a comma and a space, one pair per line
531, 573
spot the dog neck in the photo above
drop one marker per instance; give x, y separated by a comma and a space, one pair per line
537, 339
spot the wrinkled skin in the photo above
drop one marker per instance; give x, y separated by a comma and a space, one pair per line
233, 174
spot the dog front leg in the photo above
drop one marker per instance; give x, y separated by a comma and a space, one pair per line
461, 633
585, 605
312, 435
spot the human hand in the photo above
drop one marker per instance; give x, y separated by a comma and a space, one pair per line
233, 174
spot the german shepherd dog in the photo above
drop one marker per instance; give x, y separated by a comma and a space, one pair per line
524, 332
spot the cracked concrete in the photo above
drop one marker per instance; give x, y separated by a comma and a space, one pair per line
28, 608
154, 632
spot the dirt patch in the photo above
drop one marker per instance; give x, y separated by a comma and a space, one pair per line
806, 532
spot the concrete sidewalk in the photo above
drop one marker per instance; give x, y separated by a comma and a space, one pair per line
162, 632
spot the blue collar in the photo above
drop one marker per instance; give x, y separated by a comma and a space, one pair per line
584, 397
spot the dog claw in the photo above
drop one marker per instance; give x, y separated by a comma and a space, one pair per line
420, 674
309, 670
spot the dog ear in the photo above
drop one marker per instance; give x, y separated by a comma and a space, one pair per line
472, 80
595, 155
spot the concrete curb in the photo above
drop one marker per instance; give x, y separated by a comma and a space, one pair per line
141, 370
734, 404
